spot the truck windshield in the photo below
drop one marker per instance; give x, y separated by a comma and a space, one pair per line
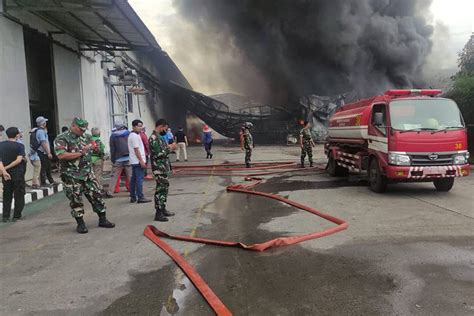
425, 114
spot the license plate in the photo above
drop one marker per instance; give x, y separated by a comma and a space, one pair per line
433, 170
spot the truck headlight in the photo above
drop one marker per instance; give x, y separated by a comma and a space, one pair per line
398, 159
461, 159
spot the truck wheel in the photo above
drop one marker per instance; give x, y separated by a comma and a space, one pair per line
334, 169
444, 185
378, 183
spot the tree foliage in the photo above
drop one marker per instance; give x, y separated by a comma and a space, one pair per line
463, 93
466, 59
463, 88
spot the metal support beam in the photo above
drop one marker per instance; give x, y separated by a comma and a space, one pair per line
97, 45
112, 27
59, 5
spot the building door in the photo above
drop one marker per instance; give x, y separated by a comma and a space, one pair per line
40, 79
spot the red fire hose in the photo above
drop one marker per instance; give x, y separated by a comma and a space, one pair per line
154, 234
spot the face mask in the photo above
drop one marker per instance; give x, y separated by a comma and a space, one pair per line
163, 133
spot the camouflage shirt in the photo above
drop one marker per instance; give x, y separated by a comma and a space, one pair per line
159, 152
247, 139
79, 168
306, 134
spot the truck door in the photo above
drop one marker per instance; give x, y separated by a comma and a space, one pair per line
377, 131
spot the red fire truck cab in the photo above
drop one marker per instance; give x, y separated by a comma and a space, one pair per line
401, 136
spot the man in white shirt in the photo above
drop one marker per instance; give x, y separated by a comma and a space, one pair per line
137, 162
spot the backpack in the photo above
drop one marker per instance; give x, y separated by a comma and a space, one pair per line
34, 143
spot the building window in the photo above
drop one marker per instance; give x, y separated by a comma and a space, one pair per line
130, 102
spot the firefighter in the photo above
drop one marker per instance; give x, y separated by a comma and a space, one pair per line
246, 142
307, 144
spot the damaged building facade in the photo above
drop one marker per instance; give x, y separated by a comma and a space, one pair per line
94, 59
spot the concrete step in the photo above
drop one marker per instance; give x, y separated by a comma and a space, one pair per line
37, 194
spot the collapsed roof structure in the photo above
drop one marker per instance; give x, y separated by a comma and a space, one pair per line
272, 124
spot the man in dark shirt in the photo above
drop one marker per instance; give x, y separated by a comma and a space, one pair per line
12, 154
182, 141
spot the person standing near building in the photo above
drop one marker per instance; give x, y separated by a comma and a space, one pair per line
74, 149
169, 136
98, 161
12, 155
307, 144
119, 154
146, 145
207, 141
137, 162
36, 163
246, 142
160, 150
181, 140
44, 151
34, 159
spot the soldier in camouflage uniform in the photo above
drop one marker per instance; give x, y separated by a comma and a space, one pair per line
160, 165
307, 144
246, 142
74, 149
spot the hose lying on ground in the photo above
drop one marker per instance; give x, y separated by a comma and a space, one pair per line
154, 234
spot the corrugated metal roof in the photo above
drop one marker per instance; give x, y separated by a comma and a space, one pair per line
102, 24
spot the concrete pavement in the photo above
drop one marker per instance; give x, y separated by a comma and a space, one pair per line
408, 251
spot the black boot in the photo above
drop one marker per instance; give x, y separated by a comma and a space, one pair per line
310, 164
302, 163
210, 156
104, 222
167, 213
159, 216
81, 226
247, 164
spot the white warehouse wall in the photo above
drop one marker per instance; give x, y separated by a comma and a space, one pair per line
14, 103
142, 110
67, 73
94, 94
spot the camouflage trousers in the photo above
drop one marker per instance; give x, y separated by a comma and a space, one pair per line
248, 155
307, 149
74, 189
161, 190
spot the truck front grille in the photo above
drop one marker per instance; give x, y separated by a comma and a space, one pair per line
424, 160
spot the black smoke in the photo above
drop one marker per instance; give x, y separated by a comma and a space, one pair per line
324, 47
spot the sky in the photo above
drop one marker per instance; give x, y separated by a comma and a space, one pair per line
458, 16
453, 21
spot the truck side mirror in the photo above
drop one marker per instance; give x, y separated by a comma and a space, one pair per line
378, 119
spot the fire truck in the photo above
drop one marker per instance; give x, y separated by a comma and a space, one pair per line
401, 136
